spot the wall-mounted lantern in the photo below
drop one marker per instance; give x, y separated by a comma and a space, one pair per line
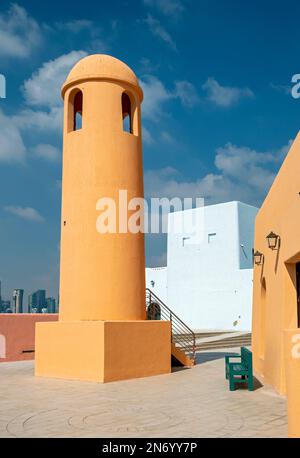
258, 258
273, 241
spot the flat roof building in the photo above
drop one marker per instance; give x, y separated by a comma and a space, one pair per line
208, 279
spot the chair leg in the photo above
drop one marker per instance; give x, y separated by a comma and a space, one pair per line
231, 382
250, 383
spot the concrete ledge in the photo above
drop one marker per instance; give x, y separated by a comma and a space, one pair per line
103, 351
17, 334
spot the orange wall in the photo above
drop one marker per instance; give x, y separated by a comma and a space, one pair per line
102, 333
103, 351
274, 293
102, 276
19, 333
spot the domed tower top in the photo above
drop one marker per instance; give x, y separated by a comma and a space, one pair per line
101, 66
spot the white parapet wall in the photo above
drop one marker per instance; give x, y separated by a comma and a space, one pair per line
208, 279
156, 280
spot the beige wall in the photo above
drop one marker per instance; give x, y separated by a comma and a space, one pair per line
274, 295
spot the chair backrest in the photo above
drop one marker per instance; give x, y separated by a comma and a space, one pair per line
246, 357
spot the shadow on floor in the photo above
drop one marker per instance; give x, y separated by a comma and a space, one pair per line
243, 386
179, 368
205, 357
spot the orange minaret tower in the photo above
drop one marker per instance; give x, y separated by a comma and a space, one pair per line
102, 333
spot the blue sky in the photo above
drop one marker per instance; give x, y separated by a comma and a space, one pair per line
218, 116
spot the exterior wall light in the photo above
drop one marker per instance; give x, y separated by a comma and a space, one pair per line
273, 241
258, 258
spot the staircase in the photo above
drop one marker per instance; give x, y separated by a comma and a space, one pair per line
183, 339
223, 340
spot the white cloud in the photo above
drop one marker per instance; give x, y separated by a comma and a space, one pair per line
225, 96
45, 121
19, 33
91, 30
43, 87
147, 137
159, 31
186, 93
242, 174
285, 89
27, 213
244, 165
166, 137
42, 91
147, 66
156, 94
75, 26
12, 148
167, 7
45, 151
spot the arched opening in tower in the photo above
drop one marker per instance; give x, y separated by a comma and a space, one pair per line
77, 113
126, 113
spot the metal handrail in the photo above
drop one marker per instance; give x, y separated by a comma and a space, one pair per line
181, 334
169, 310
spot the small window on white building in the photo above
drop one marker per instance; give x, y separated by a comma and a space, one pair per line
211, 237
185, 240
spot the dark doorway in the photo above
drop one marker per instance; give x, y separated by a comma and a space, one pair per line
298, 292
153, 311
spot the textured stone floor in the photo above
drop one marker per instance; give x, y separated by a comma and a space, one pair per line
187, 403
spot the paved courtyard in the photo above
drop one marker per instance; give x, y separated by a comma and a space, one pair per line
187, 403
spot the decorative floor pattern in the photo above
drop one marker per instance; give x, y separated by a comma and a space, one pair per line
187, 403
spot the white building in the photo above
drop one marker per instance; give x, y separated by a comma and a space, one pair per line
208, 279
156, 280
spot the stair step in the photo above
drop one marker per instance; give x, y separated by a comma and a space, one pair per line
221, 344
185, 341
200, 335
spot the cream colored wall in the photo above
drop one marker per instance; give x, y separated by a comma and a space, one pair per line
276, 309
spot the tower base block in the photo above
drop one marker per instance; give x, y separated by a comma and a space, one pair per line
102, 351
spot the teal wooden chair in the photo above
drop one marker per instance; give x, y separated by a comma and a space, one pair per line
239, 371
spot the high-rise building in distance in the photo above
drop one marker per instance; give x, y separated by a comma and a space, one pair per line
5, 307
18, 300
51, 305
37, 301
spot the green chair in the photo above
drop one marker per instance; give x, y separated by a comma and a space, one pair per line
240, 371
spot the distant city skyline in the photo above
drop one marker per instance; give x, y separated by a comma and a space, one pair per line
38, 302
